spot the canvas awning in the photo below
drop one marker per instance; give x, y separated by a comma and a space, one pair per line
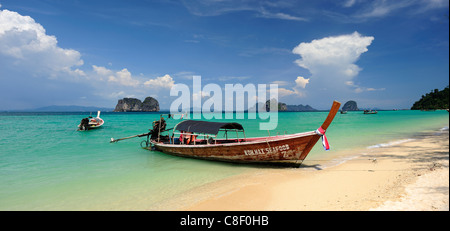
196, 126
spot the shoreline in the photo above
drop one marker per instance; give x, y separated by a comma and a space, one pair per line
411, 175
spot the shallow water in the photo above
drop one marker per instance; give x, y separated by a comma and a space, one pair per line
45, 164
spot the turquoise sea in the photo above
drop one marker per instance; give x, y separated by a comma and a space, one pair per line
45, 164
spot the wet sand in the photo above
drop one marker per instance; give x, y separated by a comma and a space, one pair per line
412, 175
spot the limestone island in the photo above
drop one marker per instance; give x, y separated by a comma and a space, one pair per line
135, 105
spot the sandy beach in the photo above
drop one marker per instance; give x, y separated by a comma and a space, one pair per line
410, 175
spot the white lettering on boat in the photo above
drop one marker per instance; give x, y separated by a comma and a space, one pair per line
270, 150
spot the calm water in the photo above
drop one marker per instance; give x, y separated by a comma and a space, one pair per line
45, 164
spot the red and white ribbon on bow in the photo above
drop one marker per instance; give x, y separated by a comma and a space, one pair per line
321, 132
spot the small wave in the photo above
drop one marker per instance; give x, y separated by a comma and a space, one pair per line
390, 143
441, 131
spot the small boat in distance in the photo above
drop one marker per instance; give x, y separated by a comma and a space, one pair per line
90, 123
370, 112
288, 150
343, 112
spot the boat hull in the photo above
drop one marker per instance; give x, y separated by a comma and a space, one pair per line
288, 150
96, 124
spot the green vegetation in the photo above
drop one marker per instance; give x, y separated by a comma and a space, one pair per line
434, 100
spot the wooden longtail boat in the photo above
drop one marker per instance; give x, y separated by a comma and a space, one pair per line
91, 123
281, 150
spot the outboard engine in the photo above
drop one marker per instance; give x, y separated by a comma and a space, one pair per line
157, 128
84, 125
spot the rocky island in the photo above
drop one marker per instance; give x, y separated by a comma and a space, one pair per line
136, 105
350, 106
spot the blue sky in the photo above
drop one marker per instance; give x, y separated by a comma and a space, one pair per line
381, 53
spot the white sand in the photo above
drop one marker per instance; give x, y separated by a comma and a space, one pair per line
410, 175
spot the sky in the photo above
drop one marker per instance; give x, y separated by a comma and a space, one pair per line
381, 53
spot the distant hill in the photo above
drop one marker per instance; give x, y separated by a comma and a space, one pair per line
282, 107
434, 100
300, 107
70, 108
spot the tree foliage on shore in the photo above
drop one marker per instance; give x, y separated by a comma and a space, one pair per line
434, 100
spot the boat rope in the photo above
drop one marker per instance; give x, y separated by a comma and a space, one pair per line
146, 144
321, 132
267, 141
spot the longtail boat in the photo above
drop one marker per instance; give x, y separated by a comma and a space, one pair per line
288, 150
89, 123
368, 112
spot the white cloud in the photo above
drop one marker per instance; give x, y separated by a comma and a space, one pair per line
281, 83
124, 78
383, 8
118, 95
435, 3
301, 82
283, 92
349, 3
338, 53
25, 44
263, 9
123, 81
359, 89
266, 14
79, 72
297, 90
160, 82
331, 62
102, 71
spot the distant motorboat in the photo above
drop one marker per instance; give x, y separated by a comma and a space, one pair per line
343, 112
370, 112
91, 123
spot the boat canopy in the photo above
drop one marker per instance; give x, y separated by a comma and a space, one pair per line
196, 126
